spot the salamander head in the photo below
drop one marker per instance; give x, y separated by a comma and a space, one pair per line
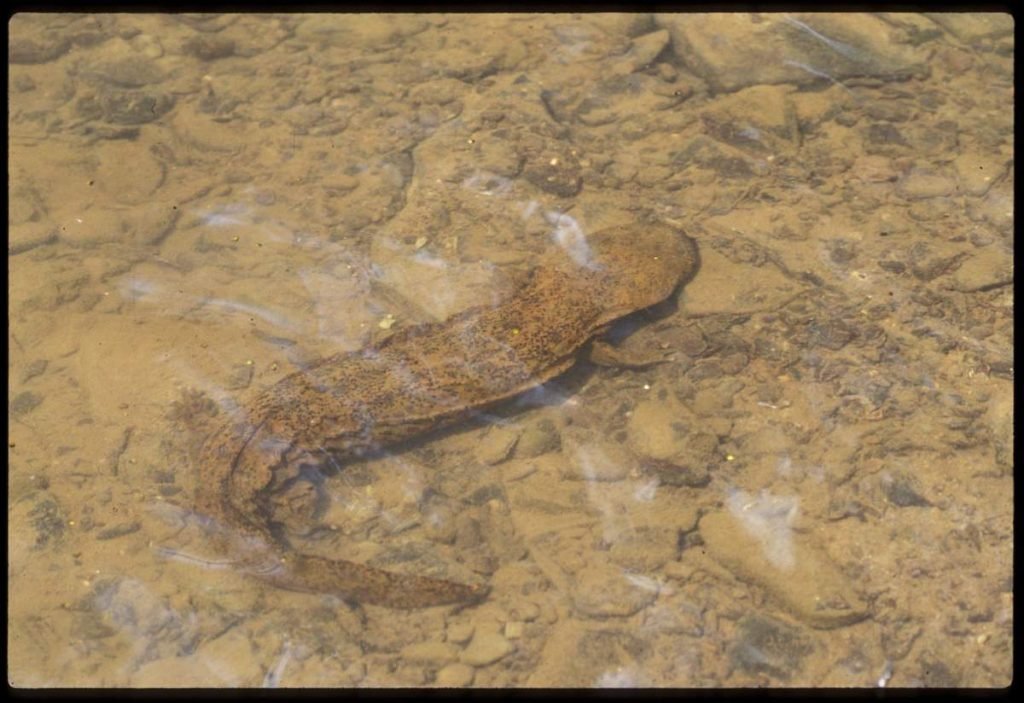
632, 267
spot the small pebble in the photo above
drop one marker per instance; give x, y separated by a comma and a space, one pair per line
605, 591
923, 184
455, 676
537, 439
496, 445
527, 612
667, 72
429, 652
486, 648
461, 633
24, 403
518, 469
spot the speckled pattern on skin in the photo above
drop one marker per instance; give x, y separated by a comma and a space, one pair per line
422, 378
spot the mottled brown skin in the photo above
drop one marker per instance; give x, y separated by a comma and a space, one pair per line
422, 378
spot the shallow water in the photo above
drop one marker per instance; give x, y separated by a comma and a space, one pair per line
813, 488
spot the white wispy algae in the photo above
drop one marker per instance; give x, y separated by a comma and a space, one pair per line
569, 235
769, 519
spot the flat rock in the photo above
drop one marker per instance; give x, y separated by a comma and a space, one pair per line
126, 173
203, 133
496, 445
209, 48
32, 42
916, 28
795, 574
985, 267
766, 646
643, 50
486, 648
430, 652
538, 438
645, 550
976, 172
373, 32
605, 591
734, 288
177, 672
131, 107
459, 633
971, 26
151, 222
619, 97
920, 184
996, 209
731, 51
125, 72
761, 120
650, 429
92, 227
232, 659
455, 676
29, 235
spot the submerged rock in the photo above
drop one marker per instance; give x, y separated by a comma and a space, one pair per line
731, 51
754, 542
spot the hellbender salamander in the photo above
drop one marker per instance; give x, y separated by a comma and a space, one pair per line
422, 378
